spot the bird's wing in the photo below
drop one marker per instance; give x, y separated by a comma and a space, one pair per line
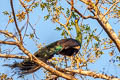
68, 43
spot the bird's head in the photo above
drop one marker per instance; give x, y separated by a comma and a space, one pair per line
77, 19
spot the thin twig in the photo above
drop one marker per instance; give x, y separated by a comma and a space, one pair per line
27, 22
84, 17
111, 7
72, 5
33, 31
64, 27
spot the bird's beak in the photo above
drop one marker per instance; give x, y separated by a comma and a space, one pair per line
77, 47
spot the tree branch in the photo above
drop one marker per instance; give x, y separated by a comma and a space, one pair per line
96, 3
84, 17
58, 73
69, 18
111, 7
72, 5
8, 42
104, 24
19, 32
9, 34
87, 73
64, 27
94, 75
13, 56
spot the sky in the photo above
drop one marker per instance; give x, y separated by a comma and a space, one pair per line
47, 34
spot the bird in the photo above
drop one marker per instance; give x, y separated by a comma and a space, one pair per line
65, 47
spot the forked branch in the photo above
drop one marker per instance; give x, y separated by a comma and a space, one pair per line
102, 21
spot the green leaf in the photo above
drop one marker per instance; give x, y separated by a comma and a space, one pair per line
96, 38
70, 28
58, 28
63, 33
72, 23
5, 13
46, 17
74, 15
68, 12
87, 28
35, 5
31, 36
61, 8
42, 5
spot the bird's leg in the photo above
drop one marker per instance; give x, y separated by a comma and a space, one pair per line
71, 62
65, 61
77, 60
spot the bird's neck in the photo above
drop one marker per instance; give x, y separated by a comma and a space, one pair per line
78, 31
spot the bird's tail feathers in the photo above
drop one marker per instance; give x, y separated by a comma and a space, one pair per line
25, 67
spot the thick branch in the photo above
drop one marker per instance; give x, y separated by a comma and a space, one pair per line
9, 34
58, 73
8, 42
108, 29
93, 74
12, 56
87, 73
97, 1
13, 12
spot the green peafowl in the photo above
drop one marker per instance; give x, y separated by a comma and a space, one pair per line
66, 47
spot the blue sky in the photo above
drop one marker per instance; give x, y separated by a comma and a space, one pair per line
47, 34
